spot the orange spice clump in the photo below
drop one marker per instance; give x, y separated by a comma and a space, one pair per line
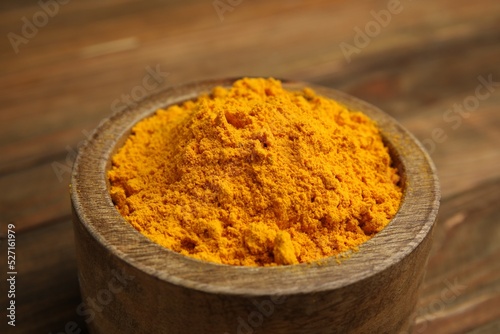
256, 175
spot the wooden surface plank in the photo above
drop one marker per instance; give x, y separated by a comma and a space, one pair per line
461, 288
49, 112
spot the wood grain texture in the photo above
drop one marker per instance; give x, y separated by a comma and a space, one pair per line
462, 298
447, 317
47, 292
375, 289
428, 58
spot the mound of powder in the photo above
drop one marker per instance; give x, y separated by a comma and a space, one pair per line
256, 175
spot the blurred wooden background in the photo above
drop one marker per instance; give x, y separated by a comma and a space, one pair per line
425, 63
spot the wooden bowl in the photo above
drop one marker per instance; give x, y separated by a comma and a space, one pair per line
131, 285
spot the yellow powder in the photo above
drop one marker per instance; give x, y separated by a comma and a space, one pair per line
256, 175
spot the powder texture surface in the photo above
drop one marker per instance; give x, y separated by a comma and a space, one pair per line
256, 175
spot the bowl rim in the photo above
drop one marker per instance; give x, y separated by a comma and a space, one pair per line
94, 208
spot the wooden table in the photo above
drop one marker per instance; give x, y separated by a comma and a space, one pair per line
427, 63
